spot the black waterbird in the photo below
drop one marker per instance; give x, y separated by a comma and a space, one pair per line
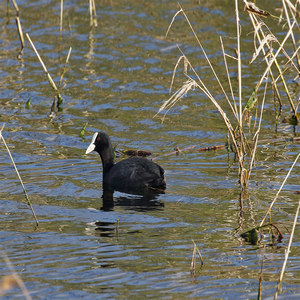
134, 174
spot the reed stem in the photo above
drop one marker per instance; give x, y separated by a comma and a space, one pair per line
20, 179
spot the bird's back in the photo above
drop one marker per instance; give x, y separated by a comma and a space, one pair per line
135, 173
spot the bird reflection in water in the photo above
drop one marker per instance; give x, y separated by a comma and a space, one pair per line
142, 201
148, 200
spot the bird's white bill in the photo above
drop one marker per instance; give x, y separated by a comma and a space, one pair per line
92, 146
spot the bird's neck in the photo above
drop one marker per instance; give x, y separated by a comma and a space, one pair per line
107, 157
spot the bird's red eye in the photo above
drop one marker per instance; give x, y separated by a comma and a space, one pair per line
98, 139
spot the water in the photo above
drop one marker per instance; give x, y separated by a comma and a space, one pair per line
117, 78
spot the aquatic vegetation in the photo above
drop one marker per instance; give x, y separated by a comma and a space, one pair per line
244, 145
244, 128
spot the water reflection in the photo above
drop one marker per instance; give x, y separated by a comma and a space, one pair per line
105, 229
138, 202
148, 200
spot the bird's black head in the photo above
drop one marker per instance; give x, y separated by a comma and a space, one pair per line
100, 140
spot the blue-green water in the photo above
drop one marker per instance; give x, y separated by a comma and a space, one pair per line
117, 78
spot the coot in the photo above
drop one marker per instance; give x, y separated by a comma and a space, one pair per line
131, 174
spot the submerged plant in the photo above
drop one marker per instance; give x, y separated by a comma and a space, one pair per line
28, 103
82, 131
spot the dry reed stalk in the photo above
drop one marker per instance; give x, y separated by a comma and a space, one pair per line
193, 262
20, 32
52, 83
58, 96
93, 13
293, 8
14, 278
234, 109
290, 62
61, 15
265, 40
191, 83
257, 132
238, 136
277, 194
20, 179
239, 64
204, 52
261, 275
16, 7
65, 67
188, 85
242, 140
19, 27
287, 251
287, 16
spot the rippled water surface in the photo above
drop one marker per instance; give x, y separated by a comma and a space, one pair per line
130, 246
